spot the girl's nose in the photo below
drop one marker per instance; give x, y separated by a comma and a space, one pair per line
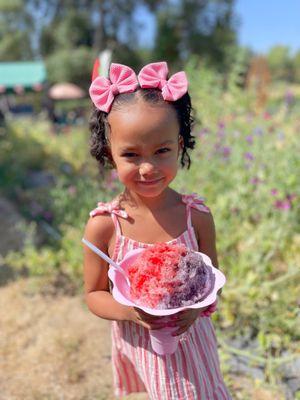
146, 168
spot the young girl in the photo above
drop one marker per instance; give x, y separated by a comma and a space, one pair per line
141, 126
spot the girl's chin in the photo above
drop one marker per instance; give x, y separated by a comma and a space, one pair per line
150, 189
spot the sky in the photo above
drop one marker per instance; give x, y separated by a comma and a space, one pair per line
267, 23
263, 24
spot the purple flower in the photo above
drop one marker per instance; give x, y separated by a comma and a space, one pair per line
291, 197
48, 215
217, 146
72, 190
258, 131
35, 209
221, 133
286, 203
255, 180
221, 125
203, 132
249, 139
289, 98
282, 204
274, 192
280, 135
226, 151
249, 156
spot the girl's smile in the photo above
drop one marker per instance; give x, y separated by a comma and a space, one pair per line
144, 144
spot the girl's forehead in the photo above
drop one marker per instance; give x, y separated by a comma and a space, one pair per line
143, 123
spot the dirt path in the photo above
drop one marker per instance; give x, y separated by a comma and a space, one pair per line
52, 348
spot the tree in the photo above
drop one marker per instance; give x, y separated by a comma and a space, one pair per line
205, 28
15, 30
296, 67
280, 63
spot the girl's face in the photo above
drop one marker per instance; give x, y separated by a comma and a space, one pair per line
145, 145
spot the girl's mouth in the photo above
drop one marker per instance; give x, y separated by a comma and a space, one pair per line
150, 182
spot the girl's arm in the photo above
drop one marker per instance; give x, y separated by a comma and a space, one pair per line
206, 234
100, 302
99, 231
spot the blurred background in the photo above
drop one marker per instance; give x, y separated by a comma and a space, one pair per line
243, 64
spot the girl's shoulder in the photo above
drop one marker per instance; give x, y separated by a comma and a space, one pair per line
100, 227
99, 231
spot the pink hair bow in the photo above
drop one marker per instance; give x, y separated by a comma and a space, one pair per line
155, 75
122, 79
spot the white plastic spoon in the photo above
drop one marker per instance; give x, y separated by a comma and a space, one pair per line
106, 258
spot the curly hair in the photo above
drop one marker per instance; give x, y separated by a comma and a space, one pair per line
99, 146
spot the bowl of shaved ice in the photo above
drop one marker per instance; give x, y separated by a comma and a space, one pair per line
165, 279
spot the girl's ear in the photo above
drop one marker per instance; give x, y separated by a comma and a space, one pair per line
180, 142
180, 145
109, 155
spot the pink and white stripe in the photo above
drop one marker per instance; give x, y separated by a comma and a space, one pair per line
193, 371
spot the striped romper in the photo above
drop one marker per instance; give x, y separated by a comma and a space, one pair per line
193, 371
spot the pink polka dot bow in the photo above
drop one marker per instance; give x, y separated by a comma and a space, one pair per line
122, 79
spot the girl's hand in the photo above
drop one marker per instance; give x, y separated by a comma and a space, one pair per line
184, 319
146, 320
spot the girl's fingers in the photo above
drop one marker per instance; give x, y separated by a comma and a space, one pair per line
143, 316
152, 326
181, 330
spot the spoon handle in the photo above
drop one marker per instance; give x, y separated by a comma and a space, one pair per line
104, 256
100, 253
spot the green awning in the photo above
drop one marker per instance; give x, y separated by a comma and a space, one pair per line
27, 75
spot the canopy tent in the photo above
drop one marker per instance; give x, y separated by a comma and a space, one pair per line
65, 91
22, 76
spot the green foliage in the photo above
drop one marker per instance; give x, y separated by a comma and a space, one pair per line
280, 62
296, 67
167, 43
10, 6
71, 65
247, 167
15, 30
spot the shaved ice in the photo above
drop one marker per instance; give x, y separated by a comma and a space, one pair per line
169, 276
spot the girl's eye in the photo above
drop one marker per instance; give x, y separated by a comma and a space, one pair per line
129, 155
163, 150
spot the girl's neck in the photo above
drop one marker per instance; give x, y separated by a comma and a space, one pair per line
152, 204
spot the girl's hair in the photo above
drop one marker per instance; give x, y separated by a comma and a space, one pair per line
99, 146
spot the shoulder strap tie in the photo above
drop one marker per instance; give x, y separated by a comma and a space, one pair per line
194, 201
110, 208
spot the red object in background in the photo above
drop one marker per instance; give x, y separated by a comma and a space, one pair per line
96, 69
